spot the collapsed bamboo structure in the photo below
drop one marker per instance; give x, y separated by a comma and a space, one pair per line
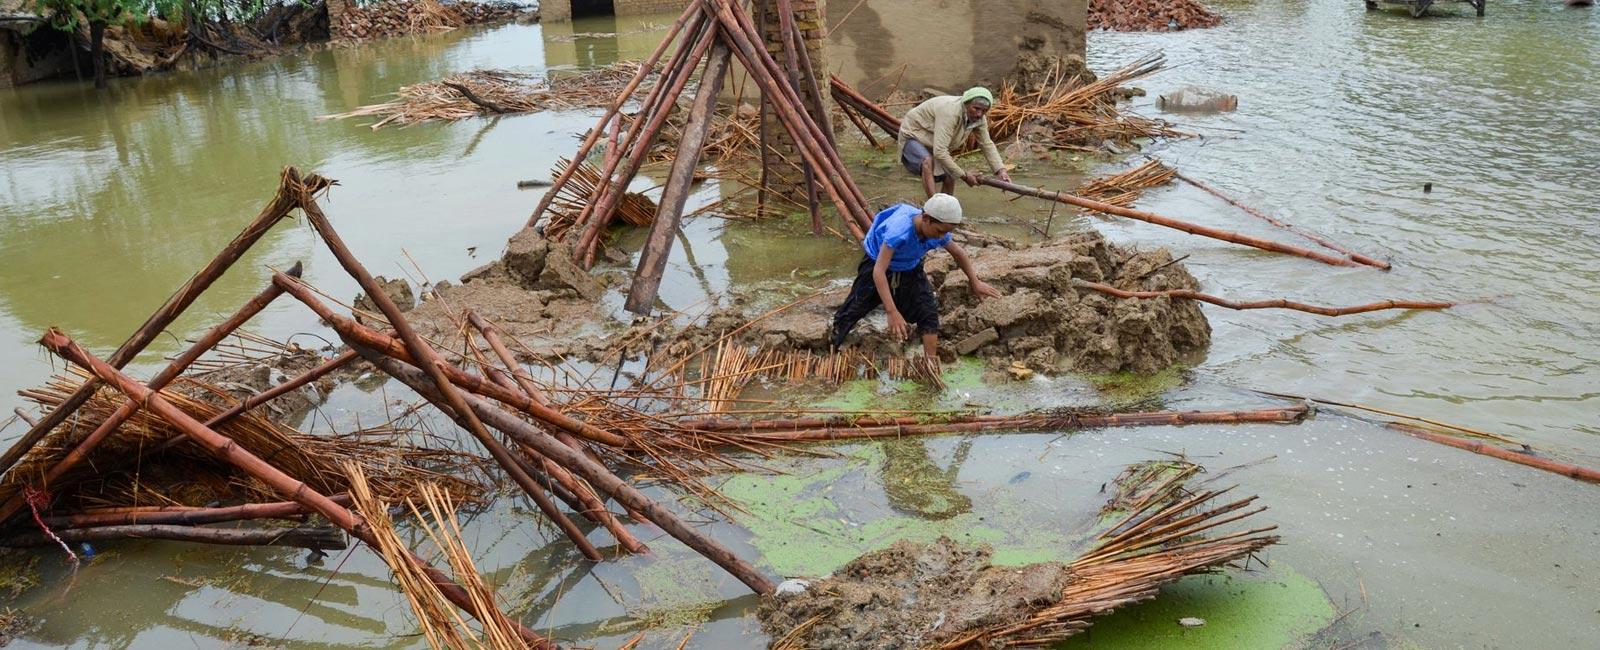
713, 32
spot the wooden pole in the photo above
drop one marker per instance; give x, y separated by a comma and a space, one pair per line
591, 506
431, 361
669, 212
791, 64
839, 188
1568, 470
290, 185
604, 207
186, 516
1262, 304
322, 538
735, 12
229, 451
596, 474
348, 328
1150, 217
176, 367
1034, 422
611, 112
1298, 231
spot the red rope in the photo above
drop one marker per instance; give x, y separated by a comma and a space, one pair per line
37, 499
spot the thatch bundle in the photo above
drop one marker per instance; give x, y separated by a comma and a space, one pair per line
149, 462
1125, 187
1066, 114
495, 92
949, 597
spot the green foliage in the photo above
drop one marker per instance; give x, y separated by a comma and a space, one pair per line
67, 15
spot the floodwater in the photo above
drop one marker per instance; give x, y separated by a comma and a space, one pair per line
109, 202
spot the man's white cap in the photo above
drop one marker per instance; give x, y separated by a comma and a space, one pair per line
943, 208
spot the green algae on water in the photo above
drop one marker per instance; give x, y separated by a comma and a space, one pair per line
1273, 609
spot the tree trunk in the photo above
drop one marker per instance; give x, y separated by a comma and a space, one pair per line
97, 52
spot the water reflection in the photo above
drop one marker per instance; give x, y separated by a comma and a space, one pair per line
917, 486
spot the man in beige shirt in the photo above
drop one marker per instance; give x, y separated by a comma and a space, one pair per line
931, 130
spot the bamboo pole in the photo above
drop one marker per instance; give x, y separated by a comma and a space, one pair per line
1568, 470
596, 474
287, 386
669, 212
817, 138
186, 516
1033, 422
175, 368
1175, 224
393, 348
588, 504
434, 364
791, 64
611, 112
230, 451
603, 208
321, 538
1263, 304
290, 185
1291, 228
840, 189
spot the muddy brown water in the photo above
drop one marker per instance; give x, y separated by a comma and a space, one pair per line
109, 202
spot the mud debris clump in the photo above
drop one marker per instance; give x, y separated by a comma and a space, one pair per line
912, 595
1041, 320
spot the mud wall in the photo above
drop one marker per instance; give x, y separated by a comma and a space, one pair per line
560, 10
948, 45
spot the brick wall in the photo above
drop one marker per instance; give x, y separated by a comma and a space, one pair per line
809, 16
629, 7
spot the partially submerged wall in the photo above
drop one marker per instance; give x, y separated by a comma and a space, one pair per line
949, 45
560, 10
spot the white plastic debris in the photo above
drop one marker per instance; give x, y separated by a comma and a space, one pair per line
789, 588
1191, 621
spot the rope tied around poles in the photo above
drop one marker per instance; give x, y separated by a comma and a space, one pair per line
36, 499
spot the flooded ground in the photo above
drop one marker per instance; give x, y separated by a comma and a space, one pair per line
110, 202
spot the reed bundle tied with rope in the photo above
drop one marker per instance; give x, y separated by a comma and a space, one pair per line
1123, 188
1078, 115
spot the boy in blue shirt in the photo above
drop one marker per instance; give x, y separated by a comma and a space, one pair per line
890, 273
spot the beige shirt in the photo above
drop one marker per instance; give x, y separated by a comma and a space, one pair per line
940, 125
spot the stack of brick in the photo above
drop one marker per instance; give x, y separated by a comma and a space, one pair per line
784, 178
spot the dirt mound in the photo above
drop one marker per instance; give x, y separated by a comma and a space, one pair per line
1040, 319
1150, 15
1044, 322
534, 292
955, 590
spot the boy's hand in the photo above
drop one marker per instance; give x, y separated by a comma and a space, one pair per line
983, 290
898, 328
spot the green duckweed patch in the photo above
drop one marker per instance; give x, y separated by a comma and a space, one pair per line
1272, 609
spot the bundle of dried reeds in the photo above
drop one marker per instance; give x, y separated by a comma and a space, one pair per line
492, 92
1159, 541
634, 209
442, 625
184, 474
1122, 189
1070, 115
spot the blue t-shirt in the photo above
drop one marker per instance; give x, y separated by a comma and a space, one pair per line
895, 227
